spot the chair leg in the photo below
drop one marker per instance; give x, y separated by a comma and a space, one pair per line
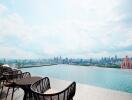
1, 90
7, 93
2, 86
12, 94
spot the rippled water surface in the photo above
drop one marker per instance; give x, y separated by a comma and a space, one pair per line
115, 79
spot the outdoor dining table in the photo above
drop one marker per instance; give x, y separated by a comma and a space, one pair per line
25, 84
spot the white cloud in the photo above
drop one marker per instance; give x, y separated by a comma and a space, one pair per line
2, 9
85, 26
14, 52
110, 54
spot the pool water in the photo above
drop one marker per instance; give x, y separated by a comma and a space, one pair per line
116, 79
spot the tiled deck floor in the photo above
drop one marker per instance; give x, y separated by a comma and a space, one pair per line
83, 92
18, 95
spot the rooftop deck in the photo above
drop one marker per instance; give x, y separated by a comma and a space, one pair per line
82, 91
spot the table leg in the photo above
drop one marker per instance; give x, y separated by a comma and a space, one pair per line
25, 95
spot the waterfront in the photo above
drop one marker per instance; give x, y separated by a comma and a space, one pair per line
108, 62
115, 79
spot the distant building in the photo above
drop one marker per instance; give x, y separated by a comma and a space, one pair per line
126, 63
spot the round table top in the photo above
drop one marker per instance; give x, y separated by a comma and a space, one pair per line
28, 80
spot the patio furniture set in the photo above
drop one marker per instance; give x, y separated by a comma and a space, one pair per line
34, 87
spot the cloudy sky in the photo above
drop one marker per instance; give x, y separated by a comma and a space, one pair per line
67, 28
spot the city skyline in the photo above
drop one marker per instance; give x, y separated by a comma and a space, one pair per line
67, 28
109, 62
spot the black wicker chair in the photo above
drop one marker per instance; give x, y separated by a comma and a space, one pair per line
11, 78
40, 87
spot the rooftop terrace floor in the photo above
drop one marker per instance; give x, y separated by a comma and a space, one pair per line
83, 92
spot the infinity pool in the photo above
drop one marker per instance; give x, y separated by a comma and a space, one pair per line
111, 78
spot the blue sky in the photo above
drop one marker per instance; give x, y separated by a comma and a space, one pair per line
68, 28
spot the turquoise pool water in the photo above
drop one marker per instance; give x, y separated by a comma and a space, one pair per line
111, 78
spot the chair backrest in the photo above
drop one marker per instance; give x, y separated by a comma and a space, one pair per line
11, 77
5, 69
22, 75
42, 85
38, 91
26, 74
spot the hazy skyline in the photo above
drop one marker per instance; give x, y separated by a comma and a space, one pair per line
67, 28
